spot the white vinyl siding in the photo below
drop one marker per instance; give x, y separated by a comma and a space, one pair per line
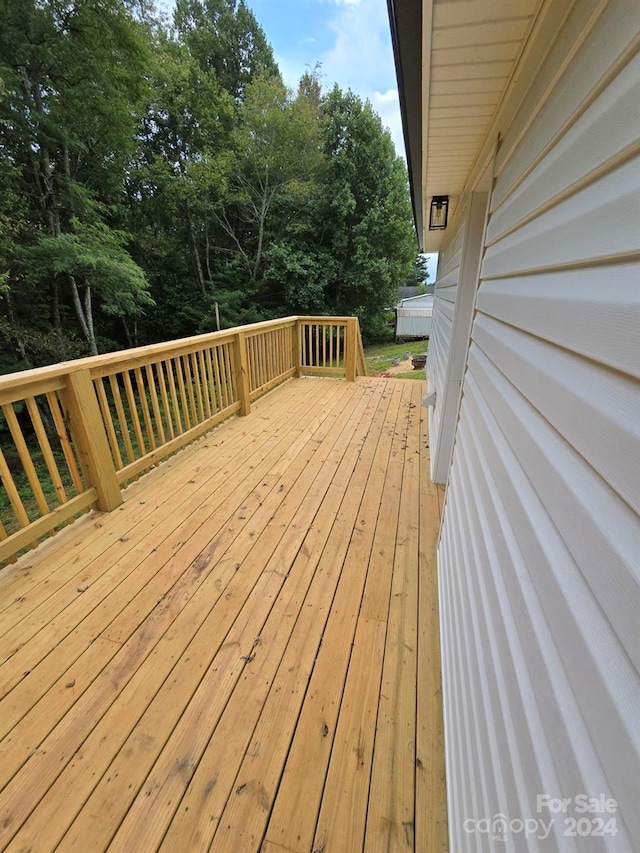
445, 293
539, 555
455, 297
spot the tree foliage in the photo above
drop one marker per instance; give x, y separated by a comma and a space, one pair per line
149, 173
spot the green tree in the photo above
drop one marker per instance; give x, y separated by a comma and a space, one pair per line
279, 163
184, 156
91, 253
148, 175
225, 38
366, 219
69, 141
419, 274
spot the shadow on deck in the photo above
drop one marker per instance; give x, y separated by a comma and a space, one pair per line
244, 656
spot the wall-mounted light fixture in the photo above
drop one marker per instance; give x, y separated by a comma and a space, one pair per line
438, 213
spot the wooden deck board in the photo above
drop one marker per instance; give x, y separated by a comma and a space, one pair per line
392, 799
320, 565
232, 659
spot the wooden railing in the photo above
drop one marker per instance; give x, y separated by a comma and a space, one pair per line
76, 433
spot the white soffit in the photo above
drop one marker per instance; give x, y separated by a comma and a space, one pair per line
473, 50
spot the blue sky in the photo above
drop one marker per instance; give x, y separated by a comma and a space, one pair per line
349, 38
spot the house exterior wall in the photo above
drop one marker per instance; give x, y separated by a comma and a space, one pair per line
414, 323
445, 295
457, 297
539, 553
414, 316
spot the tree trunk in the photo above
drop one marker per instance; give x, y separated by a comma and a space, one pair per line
44, 174
86, 324
43, 177
55, 307
207, 256
88, 313
127, 333
194, 248
13, 324
265, 203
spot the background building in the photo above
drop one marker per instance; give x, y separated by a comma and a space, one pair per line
414, 316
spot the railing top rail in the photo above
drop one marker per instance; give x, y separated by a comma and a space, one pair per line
41, 384
318, 320
101, 365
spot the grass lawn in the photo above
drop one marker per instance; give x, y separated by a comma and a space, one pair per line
412, 374
379, 357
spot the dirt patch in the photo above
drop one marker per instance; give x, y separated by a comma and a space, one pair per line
404, 367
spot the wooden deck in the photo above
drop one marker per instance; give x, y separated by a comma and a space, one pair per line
244, 656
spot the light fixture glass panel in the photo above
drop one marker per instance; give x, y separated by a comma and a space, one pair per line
438, 213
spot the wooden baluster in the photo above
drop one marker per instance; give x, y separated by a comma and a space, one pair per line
122, 418
172, 368
183, 393
195, 385
146, 414
63, 438
296, 347
215, 357
45, 447
264, 359
227, 369
11, 558
155, 402
188, 380
12, 492
108, 421
133, 412
213, 382
25, 458
204, 385
252, 362
256, 350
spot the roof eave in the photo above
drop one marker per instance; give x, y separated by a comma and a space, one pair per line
406, 35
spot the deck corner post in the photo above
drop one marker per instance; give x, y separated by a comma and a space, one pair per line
351, 334
296, 354
90, 439
241, 363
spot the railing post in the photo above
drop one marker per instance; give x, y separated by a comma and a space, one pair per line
296, 354
90, 439
350, 349
241, 362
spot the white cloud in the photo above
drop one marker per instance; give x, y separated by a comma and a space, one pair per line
359, 58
